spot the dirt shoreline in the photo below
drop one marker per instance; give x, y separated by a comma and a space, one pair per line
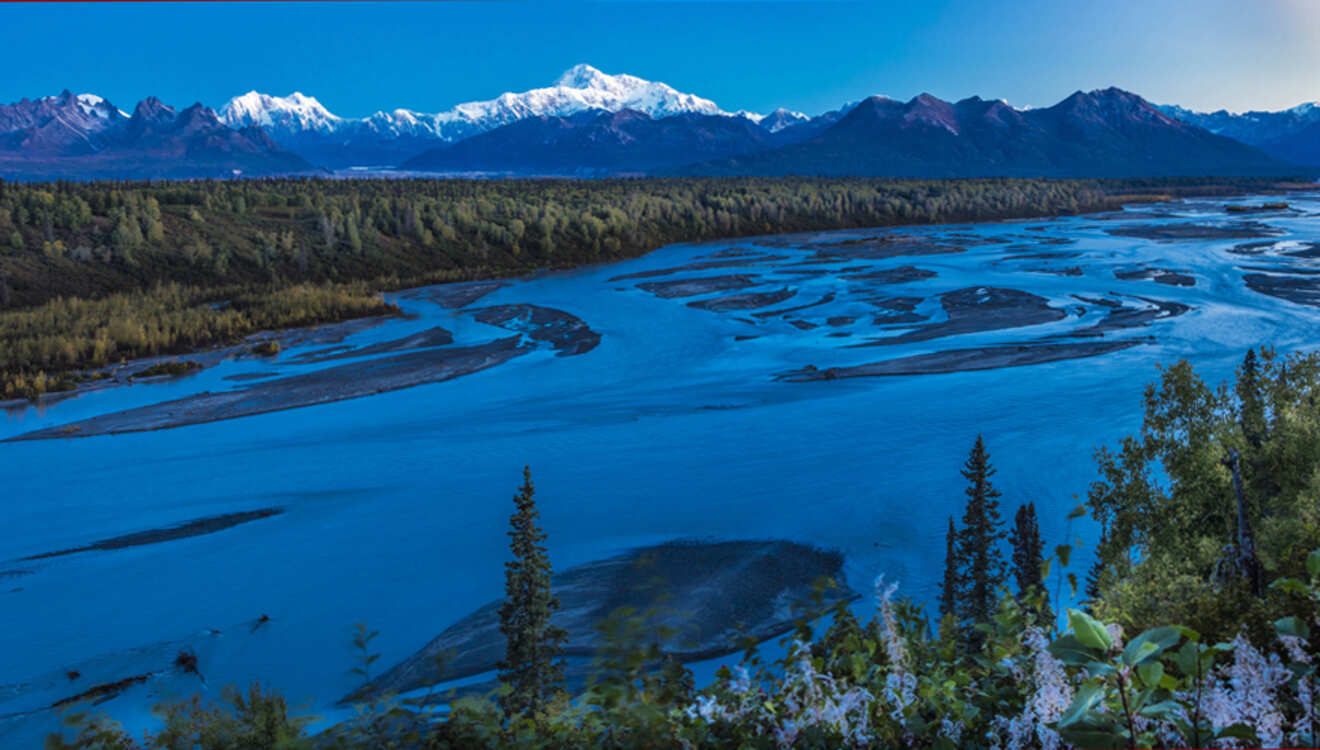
195, 527
332, 384
962, 360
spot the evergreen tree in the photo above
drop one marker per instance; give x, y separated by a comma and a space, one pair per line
1092, 588
949, 586
1252, 418
532, 667
1252, 403
979, 554
1028, 549
1029, 557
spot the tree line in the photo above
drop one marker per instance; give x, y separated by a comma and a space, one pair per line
218, 240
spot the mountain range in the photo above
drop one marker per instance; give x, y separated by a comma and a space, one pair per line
85, 137
588, 123
1291, 134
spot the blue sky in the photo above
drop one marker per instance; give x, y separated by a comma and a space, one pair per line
812, 56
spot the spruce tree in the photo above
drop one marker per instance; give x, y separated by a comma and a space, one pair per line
979, 554
532, 668
949, 586
1028, 549
1029, 558
1092, 584
1251, 400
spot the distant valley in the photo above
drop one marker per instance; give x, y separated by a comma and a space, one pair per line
592, 124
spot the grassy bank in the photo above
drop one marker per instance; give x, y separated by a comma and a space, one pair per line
84, 266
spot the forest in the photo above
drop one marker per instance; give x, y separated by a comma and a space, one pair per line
1194, 627
92, 274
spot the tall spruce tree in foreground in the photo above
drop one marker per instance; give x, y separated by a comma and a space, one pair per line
949, 586
982, 562
532, 668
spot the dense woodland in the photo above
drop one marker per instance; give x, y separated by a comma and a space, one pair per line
94, 273
1196, 627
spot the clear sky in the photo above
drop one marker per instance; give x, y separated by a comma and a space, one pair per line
811, 56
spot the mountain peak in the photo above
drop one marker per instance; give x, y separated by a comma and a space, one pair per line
295, 113
153, 109
583, 76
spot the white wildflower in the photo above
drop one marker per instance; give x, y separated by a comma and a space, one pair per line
815, 699
1244, 692
952, 731
1303, 733
1048, 695
900, 683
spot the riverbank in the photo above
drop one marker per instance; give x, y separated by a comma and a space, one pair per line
108, 272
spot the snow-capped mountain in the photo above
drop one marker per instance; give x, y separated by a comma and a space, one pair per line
279, 115
775, 121
84, 136
579, 89
301, 123
1290, 134
97, 107
61, 125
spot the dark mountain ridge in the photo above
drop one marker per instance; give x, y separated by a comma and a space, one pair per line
72, 137
1103, 133
596, 141
1291, 134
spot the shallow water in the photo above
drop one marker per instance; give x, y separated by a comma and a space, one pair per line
395, 505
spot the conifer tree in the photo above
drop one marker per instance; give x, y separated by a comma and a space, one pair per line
980, 557
1029, 557
1252, 404
1028, 549
949, 586
532, 667
1092, 587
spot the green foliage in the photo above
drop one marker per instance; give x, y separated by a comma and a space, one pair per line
952, 566
90, 243
255, 720
173, 367
1028, 549
1131, 692
362, 638
40, 348
532, 667
981, 562
91, 733
1167, 505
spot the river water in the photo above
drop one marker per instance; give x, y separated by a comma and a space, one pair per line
676, 426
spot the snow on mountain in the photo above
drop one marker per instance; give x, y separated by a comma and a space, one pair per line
778, 120
401, 123
1290, 134
280, 115
1255, 127
581, 88
96, 106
